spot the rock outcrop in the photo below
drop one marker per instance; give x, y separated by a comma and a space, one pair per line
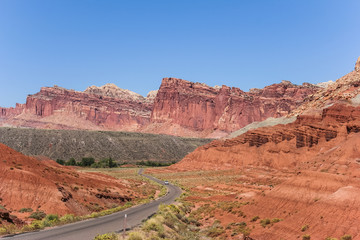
107, 107
179, 107
113, 91
11, 112
346, 89
198, 107
357, 65
281, 146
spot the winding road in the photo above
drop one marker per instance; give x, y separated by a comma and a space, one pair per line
88, 229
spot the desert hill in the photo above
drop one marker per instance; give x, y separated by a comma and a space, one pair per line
179, 107
27, 182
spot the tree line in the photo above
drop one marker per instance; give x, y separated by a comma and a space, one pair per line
108, 163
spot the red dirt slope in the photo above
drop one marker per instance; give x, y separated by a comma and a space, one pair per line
43, 184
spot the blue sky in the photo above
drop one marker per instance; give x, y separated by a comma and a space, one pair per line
134, 44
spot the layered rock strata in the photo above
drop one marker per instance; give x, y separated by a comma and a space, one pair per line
281, 146
179, 107
199, 107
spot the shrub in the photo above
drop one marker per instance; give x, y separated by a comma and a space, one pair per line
27, 228
276, 220
107, 236
71, 162
2, 230
346, 237
306, 237
38, 215
37, 224
50, 220
154, 164
22, 210
254, 219
67, 218
169, 220
265, 222
105, 163
60, 161
215, 230
304, 228
87, 162
153, 225
9, 229
135, 236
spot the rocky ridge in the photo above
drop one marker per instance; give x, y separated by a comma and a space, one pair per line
179, 108
345, 89
280, 146
198, 107
109, 108
113, 91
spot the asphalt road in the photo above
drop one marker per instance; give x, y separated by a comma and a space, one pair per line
88, 229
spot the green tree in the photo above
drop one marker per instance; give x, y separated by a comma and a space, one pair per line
71, 162
60, 161
87, 162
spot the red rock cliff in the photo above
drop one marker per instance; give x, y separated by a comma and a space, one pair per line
199, 107
93, 108
179, 108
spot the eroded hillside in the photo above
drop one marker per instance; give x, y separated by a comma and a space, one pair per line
43, 185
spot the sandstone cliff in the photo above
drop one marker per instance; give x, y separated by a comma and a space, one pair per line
282, 146
104, 108
186, 106
179, 108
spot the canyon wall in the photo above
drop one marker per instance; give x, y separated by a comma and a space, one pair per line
179, 108
199, 107
103, 108
286, 146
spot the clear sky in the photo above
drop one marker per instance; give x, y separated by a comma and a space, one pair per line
134, 44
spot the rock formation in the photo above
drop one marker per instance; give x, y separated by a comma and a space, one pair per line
107, 107
357, 65
179, 107
281, 146
199, 108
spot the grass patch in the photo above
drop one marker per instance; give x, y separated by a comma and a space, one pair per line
107, 236
22, 210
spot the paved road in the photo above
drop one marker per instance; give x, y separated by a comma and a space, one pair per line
88, 229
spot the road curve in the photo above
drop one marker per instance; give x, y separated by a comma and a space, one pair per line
88, 229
